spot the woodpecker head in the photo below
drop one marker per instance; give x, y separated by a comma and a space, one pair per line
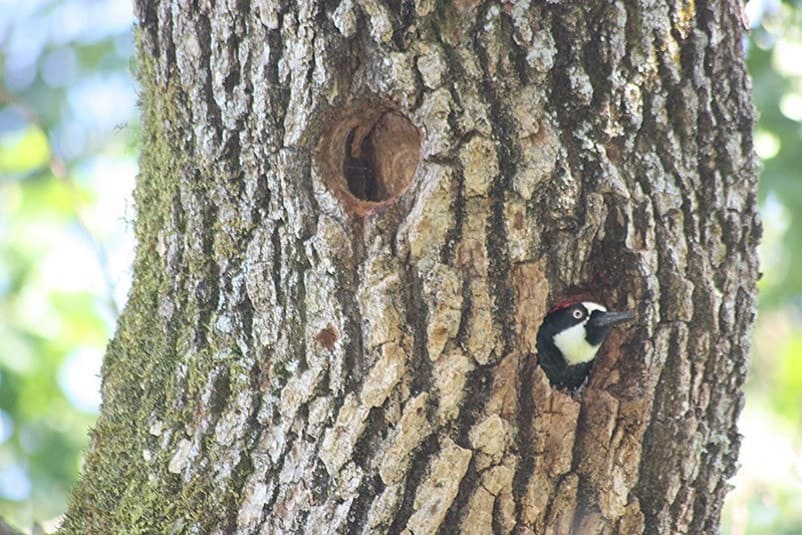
570, 337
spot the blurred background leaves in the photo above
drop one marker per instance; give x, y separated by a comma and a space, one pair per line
767, 495
67, 165
68, 131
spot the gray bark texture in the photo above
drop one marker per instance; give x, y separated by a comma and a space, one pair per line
352, 218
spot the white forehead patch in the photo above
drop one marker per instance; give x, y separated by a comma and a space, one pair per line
591, 306
572, 343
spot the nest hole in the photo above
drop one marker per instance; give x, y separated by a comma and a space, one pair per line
369, 154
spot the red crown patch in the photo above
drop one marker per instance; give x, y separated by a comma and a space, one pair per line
569, 301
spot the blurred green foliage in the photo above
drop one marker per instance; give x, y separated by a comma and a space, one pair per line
775, 62
67, 161
767, 498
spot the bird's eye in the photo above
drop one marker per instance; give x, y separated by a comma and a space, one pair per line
578, 314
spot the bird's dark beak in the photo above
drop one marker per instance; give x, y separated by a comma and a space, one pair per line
605, 319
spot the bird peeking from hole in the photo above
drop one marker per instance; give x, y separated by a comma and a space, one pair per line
571, 335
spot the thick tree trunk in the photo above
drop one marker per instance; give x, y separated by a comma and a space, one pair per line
352, 218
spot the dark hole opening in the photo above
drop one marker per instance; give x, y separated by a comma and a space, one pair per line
381, 157
358, 167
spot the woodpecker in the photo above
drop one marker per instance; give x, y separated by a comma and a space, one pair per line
571, 335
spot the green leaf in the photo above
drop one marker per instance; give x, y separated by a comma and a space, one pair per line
24, 151
787, 396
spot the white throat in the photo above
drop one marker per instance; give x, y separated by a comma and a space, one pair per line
572, 343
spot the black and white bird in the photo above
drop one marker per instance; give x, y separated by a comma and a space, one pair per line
570, 337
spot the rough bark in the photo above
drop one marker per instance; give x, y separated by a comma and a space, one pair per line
352, 217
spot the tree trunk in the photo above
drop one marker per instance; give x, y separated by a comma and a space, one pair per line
352, 218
